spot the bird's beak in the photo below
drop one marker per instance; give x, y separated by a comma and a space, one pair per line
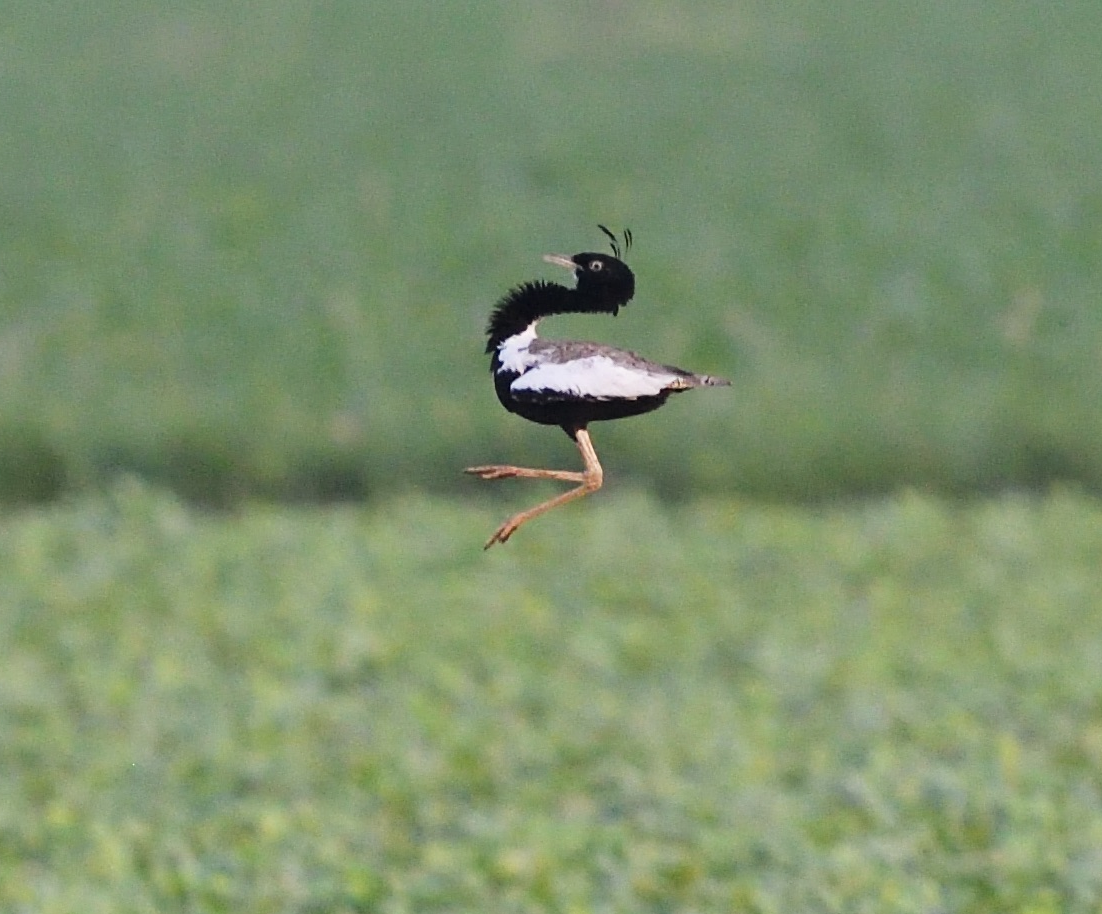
561, 260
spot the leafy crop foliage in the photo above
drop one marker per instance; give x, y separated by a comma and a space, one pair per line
719, 708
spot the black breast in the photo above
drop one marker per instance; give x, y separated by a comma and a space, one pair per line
569, 411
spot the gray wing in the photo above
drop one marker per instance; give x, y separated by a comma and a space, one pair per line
561, 351
591, 371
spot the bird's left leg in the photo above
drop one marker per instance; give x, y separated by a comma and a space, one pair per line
590, 481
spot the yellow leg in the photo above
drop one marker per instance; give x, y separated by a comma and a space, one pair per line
510, 472
590, 481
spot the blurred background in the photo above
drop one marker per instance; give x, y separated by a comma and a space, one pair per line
247, 255
248, 250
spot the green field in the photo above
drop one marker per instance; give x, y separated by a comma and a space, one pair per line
250, 249
828, 641
889, 708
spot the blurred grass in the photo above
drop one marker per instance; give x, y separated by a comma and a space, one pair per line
890, 707
249, 249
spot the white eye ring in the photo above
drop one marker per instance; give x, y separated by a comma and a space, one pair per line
595, 266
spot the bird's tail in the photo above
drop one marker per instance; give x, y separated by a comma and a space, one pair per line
708, 380
687, 381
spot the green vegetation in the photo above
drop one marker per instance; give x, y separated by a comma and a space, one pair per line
247, 254
249, 249
890, 708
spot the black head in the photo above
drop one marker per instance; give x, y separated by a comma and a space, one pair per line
607, 282
604, 284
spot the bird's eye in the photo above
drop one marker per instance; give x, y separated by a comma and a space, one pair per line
596, 265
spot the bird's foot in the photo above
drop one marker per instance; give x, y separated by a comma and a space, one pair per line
502, 533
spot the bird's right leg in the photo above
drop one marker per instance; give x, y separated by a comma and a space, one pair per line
506, 471
510, 472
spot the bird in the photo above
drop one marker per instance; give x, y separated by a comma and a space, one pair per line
571, 383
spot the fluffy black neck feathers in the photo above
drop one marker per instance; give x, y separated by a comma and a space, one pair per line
527, 303
604, 285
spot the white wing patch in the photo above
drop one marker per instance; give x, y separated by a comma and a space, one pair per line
514, 353
597, 377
